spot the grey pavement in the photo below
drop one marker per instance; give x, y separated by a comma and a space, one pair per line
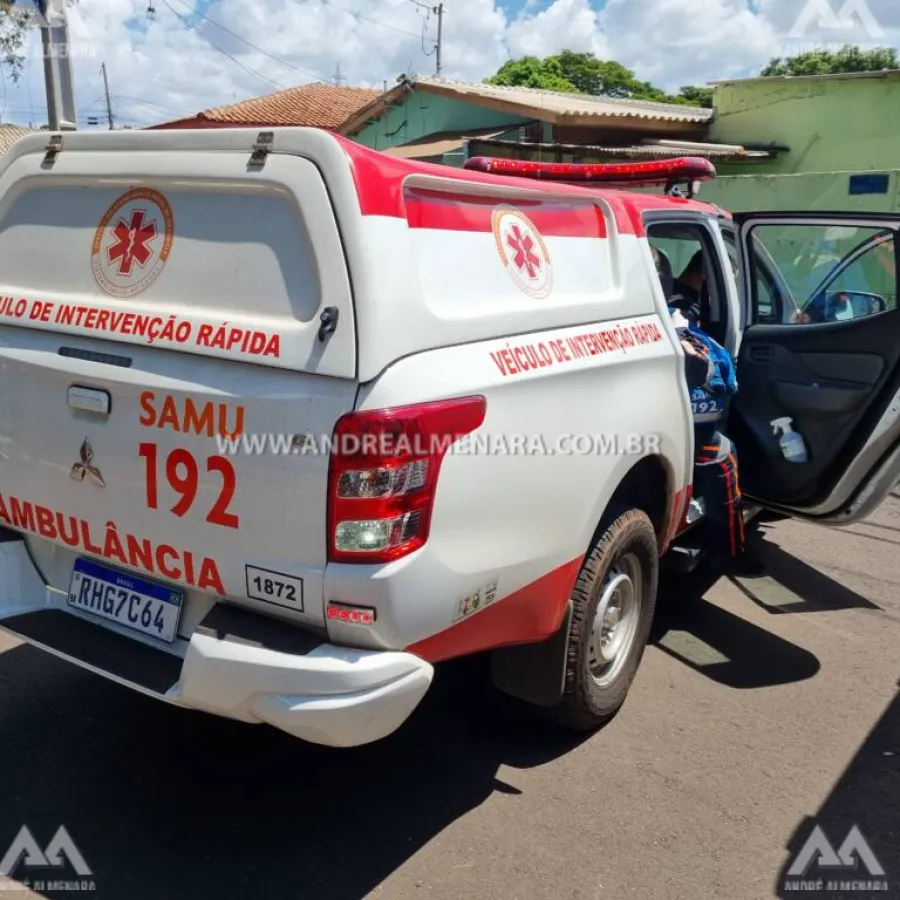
760, 708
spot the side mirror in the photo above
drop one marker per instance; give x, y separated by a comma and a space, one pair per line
840, 305
860, 303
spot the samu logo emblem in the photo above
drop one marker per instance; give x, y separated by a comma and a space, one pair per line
84, 469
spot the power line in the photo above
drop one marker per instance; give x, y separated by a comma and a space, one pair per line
236, 36
92, 104
171, 86
360, 16
369, 19
190, 27
153, 104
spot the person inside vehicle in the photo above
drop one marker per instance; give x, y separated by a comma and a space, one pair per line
712, 381
689, 291
664, 270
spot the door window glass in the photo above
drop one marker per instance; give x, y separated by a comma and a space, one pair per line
691, 273
826, 273
770, 296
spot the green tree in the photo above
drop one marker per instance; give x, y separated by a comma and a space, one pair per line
834, 62
594, 76
696, 96
13, 35
531, 72
585, 74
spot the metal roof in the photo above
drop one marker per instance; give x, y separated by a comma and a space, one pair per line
551, 106
568, 104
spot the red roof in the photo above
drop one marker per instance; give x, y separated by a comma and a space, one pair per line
317, 105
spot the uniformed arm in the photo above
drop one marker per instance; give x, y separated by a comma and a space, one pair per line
696, 367
688, 303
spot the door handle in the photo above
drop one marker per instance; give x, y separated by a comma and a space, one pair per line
762, 354
89, 400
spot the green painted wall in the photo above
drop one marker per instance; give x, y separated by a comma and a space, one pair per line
419, 114
823, 192
830, 125
833, 127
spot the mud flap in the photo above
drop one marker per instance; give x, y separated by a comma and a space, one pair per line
535, 673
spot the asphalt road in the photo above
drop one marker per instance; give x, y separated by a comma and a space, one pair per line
759, 710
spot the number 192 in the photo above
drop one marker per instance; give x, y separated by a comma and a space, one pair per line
183, 476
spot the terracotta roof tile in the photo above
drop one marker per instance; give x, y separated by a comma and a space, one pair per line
318, 105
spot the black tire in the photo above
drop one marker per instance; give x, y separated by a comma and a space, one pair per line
587, 703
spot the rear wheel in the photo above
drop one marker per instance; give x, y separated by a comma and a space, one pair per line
613, 605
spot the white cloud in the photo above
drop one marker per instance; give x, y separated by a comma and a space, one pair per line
162, 68
679, 42
571, 24
804, 24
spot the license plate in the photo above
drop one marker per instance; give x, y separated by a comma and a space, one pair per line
120, 597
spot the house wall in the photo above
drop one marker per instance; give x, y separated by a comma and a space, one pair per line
830, 125
420, 114
812, 191
834, 128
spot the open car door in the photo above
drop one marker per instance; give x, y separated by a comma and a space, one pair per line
820, 356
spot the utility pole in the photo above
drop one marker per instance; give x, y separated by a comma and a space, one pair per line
109, 113
439, 9
439, 43
58, 76
337, 77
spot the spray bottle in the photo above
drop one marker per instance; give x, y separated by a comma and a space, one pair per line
792, 445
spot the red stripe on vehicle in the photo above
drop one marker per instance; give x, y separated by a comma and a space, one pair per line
529, 615
462, 212
380, 182
677, 523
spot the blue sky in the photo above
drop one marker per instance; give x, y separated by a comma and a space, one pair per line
179, 63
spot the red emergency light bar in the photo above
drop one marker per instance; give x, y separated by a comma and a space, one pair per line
665, 172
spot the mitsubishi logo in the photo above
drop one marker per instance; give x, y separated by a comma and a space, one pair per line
84, 468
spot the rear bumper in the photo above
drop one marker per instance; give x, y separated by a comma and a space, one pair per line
331, 695
236, 664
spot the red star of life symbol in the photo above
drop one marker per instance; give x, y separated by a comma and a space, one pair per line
523, 247
131, 242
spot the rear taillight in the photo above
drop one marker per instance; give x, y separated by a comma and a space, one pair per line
383, 476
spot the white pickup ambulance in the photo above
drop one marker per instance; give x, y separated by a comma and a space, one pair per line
285, 422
